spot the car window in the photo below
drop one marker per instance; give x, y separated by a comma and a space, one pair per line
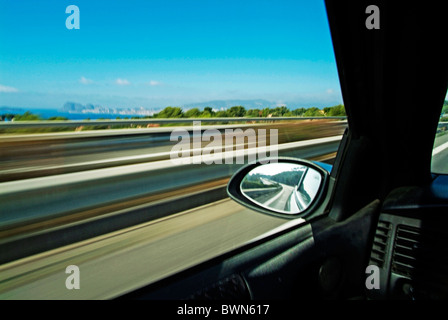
129, 112
439, 162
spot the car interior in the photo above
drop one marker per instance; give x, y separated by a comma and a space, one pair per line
380, 204
368, 225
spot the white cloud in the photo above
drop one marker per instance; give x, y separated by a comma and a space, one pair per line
7, 89
330, 91
84, 80
154, 83
122, 82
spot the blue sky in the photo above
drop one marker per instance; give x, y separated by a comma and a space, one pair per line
156, 53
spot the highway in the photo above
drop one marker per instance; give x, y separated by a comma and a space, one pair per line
275, 198
71, 219
281, 202
440, 155
118, 261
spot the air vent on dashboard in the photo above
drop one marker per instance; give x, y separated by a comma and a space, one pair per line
380, 241
407, 241
421, 255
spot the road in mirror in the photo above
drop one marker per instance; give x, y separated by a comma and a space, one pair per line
282, 187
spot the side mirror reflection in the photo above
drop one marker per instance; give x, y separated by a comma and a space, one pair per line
283, 187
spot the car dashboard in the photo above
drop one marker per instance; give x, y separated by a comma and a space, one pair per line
410, 245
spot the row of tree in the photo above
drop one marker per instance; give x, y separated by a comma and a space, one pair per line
208, 112
240, 111
27, 116
233, 112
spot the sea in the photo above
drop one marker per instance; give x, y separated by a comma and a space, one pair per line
48, 113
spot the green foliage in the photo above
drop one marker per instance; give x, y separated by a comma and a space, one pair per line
445, 107
170, 112
192, 113
257, 184
290, 178
234, 112
27, 116
313, 112
265, 112
177, 112
221, 114
299, 112
58, 118
7, 116
237, 112
279, 111
253, 113
206, 114
208, 111
336, 111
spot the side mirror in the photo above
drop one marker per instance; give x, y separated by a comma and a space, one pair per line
288, 187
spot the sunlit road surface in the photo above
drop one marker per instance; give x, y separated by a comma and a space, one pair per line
123, 261
440, 155
281, 201
272, 198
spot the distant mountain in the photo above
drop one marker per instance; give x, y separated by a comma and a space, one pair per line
260, 104
227, 104
77, 108
74, 107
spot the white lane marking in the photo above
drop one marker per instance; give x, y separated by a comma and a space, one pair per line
439, 148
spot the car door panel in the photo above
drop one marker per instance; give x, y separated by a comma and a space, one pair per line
319, 259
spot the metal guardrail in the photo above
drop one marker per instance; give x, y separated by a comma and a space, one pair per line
38, 200
77, 123
96, 149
